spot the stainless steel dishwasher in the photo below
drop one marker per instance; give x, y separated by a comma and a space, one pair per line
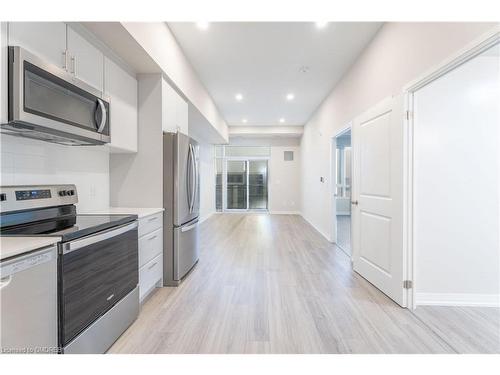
28, 302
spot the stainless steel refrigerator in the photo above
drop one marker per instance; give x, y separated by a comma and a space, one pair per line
181, 200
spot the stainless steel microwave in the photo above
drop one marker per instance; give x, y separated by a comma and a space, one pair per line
46, 102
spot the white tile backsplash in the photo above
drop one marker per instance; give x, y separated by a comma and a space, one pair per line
28, 162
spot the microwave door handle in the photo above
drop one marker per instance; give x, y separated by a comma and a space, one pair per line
104, 115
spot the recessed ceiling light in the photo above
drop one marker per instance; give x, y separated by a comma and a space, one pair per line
321, 25
202, 25
290, 96
244, 121
282, 120
239, 97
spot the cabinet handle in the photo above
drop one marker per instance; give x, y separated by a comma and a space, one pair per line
73, 65
152, 238
152, 219
65, 60
151, 266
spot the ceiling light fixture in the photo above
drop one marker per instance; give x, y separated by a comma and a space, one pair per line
202, 25
282, 120
290, 96
321, 25
239, 97
244, 121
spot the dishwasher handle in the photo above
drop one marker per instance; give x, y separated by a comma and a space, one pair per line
23, 262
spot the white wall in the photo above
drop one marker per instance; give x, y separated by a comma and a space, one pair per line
284, 176
399, 53
31, 162
137, 179
207, 181
456, 189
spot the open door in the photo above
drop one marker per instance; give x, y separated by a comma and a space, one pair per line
377, 199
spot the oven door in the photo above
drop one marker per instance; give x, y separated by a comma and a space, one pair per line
46, 100
95, 272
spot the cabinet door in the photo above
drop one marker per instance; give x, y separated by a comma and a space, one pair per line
168, 109
174, 111
182, 115
47, 40
84, 60
121, 89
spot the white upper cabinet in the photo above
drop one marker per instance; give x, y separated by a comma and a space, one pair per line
121, 89
47, 40
174, 110
85, 61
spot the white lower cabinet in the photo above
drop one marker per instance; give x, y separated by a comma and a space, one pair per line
149, 276
150, 254
150, 246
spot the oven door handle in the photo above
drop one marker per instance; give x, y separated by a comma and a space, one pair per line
92, 239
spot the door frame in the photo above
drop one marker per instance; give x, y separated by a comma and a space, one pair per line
224, 182
455, 60
333, 183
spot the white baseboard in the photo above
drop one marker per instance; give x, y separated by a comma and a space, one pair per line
284, 212
457, 299
319, 231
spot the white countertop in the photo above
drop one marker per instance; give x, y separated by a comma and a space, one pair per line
140, 212
11, 246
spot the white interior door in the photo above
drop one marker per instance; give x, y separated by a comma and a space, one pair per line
377, 210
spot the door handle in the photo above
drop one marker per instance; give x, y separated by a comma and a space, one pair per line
86, 241
73, 65
104, 115
192, 178
188, 178
195, 169
354, 203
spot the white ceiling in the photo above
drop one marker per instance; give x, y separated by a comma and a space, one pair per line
262, 61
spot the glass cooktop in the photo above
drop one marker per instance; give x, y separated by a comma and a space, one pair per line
70, 227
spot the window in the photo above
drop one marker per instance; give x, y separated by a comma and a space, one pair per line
241, 177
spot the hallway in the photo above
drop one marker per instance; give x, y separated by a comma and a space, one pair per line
272, 284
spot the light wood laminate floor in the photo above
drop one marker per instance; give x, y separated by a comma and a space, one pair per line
272, 284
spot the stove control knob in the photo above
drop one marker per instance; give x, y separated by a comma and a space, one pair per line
62, 193
71, 192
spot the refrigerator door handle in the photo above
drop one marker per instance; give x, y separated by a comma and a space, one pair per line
189, 227
194, 179
188, 178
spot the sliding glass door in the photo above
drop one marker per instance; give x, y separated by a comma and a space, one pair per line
237, 185
257, 184
246, 184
